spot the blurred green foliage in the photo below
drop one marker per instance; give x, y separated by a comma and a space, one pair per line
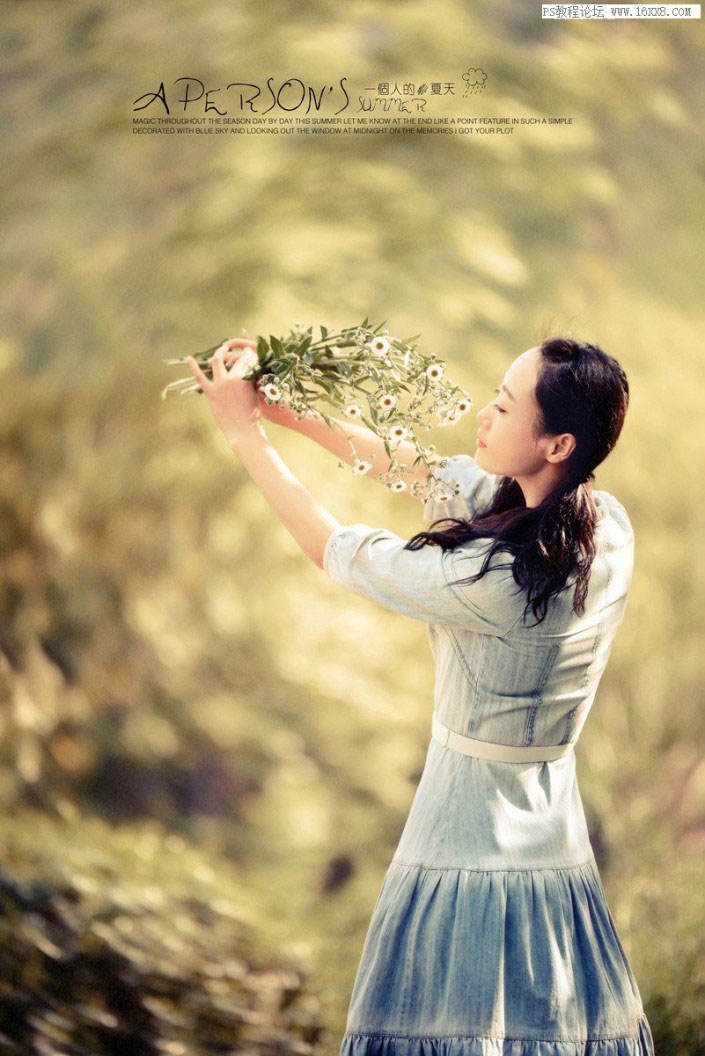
130, 940
167, 652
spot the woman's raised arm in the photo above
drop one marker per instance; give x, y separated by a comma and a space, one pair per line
369, 447
235, 406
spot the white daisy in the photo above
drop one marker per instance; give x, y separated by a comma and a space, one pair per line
380, 346
353, 410
434, 372
398, 485
387, 401
272, 392
362, 467
463, 405
397, 433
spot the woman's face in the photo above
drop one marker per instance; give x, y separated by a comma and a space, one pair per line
506, 445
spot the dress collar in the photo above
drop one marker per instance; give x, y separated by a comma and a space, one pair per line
600, 505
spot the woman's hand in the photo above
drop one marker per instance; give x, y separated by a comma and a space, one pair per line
234, 401
235, 405
235, 347
273, 412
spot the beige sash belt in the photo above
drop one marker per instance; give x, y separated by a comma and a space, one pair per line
502, 753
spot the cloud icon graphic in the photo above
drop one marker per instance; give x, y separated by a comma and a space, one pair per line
474, 76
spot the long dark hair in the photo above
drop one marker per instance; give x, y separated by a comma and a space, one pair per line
579, 390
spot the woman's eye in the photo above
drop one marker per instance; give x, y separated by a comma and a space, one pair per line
500, 409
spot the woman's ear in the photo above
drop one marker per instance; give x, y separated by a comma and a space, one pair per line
562, 447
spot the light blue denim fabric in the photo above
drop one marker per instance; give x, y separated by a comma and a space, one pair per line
491, 933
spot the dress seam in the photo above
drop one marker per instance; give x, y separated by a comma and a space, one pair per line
491, 869
493, 1037
472, 676
570, 718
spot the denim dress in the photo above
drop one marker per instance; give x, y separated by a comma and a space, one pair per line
491, 934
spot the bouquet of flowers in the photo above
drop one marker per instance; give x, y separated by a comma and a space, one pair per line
382, 381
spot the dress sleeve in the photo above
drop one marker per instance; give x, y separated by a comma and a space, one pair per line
373, 563
477, 487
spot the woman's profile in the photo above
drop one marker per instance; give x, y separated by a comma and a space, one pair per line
491, 932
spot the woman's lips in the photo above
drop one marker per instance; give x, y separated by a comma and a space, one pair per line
480, 443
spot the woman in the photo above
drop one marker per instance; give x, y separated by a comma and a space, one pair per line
491, 933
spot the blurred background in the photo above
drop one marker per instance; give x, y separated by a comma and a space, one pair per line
209, 750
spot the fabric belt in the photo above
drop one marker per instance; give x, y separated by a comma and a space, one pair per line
502, 753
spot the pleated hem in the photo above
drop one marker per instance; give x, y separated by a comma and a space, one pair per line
362, 1043
530, 954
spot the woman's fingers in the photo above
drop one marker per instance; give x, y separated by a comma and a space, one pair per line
231, 354
197, 373
239, 350
217, 361
241, 342
251, 359
245, 359
241, 359
234, 352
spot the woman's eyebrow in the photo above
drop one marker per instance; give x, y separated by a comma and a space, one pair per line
503, 386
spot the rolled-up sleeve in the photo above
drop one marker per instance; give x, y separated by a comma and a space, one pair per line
476, 488
373, 563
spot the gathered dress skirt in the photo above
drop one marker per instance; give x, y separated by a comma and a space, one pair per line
491, 933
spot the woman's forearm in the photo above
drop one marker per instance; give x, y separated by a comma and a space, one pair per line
368, 445
302, 515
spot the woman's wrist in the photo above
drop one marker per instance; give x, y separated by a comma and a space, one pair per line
253, 436
282, 414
